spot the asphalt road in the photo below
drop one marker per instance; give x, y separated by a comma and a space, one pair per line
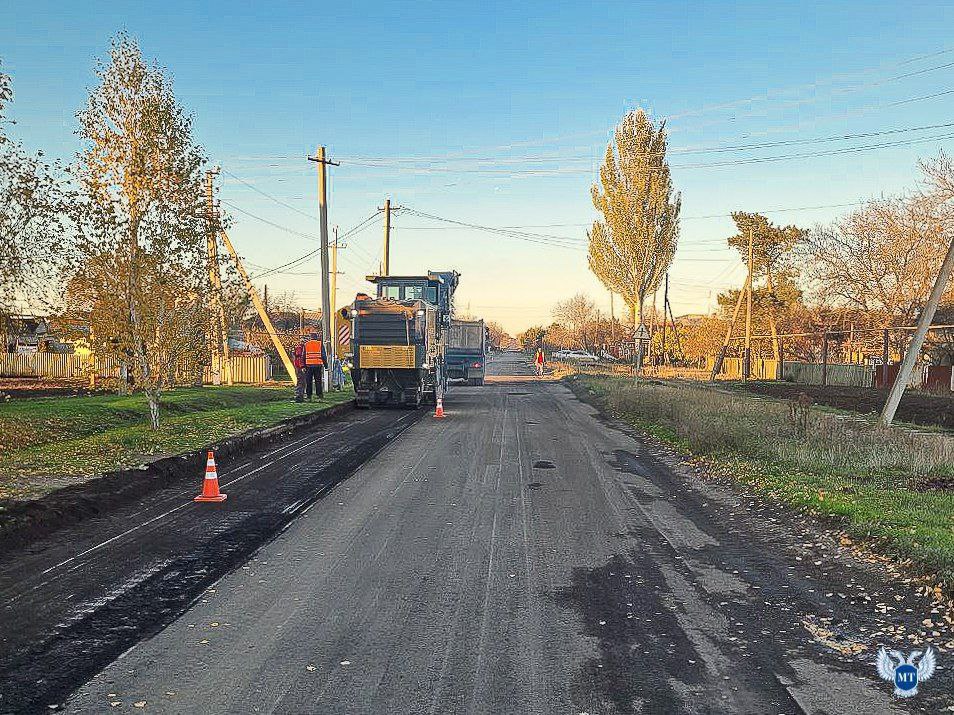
72, 602
524, 556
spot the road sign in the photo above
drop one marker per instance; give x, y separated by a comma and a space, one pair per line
344, 334
642, 334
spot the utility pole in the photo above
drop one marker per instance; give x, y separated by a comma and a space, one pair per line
914, 347
665, 308
218, 330
885, 356
333, 355
386, 265
747, 358
720, 358
323, 217
770, 285
334, 275
675, 329
613, 325
260, 307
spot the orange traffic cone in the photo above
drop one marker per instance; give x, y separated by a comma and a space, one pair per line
439, 412
210, 485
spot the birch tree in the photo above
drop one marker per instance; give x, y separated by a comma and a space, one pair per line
143, 230
32, 223
633, 245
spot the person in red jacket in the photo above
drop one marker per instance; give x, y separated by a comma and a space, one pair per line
298, 361
538, 362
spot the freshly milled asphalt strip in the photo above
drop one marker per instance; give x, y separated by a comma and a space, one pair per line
91, 591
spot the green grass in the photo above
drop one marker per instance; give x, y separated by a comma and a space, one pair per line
47, 442
892, 485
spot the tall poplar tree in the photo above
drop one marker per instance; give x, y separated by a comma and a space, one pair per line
632, 247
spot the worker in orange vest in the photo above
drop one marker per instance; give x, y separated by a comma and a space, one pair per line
314, 365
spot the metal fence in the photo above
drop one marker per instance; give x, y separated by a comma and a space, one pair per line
246, 369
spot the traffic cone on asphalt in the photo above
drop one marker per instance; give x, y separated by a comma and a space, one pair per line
439, 412
210, 485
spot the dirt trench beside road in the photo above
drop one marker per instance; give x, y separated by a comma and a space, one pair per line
916, 407
524, 555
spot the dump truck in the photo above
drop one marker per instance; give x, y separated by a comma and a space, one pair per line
466, 351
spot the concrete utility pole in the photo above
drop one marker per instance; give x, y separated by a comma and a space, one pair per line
747, 359
260, 307
917, 340
323, 217
386, 264
720, 358
218, 330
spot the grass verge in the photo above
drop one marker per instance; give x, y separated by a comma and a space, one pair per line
891, 485
49, 442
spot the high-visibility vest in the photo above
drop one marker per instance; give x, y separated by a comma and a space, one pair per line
313, 353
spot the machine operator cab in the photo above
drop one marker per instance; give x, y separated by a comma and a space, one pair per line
436, 288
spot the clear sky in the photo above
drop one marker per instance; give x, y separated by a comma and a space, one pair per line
498, 114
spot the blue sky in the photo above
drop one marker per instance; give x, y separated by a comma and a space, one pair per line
498, 114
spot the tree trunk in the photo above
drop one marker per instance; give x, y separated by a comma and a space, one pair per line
153, 398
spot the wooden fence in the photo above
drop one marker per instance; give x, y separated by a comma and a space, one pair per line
246, 369
811, 373
56, 365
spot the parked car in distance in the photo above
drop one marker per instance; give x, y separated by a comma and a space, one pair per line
580, 356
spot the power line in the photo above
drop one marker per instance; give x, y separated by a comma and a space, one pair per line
269, 196
309, 236
277, 269
556, 241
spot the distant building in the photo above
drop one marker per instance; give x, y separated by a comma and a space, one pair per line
26, 333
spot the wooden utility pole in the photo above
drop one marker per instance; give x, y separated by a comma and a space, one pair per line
326, 323
334, 277
665, 317
218, 329
917, 340
260, 307
747, 358
720, 358
885, 356
675, 329
773, 328
386, 264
